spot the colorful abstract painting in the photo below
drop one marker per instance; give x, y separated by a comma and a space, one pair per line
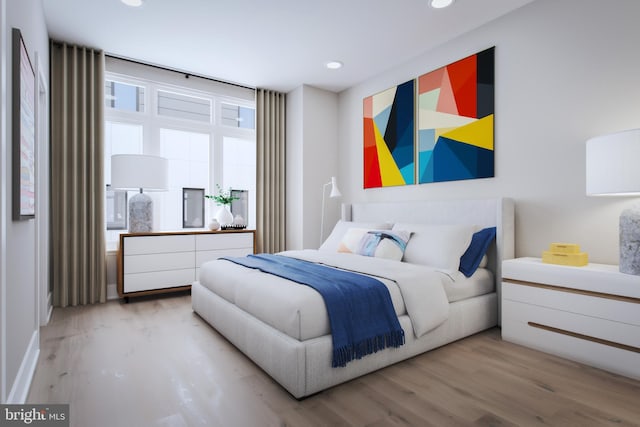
455, 120
389, 136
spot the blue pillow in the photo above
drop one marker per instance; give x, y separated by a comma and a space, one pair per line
470, 260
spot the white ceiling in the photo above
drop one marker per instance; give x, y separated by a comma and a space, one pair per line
274, 44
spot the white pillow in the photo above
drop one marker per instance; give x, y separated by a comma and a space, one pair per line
333, 241
439, 246
350, 242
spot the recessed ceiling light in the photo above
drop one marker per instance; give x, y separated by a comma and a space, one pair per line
333, 65
440, 4
133, 3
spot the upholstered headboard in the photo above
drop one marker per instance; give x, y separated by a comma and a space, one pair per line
497, 212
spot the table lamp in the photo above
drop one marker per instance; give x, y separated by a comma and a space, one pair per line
143, 172
612, 170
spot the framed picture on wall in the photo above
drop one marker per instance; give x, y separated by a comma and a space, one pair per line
455, 120
389, 137
23, 130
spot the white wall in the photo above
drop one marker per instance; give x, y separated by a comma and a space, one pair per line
565, 71
312, 142
20, 317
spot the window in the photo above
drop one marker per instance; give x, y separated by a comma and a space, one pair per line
188, 156
238, 117
123, 96
183, 106
239, 158
207, 135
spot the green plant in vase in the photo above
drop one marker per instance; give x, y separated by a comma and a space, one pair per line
222, 199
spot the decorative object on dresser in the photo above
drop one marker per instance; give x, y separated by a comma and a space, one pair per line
152, 263
224, 198
143, 172
116, 209
192, 207
588, 314
334, 193
612, 171
240, 206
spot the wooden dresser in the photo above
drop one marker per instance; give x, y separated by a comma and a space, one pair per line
152, 263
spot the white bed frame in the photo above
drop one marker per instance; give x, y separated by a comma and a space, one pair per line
304, 367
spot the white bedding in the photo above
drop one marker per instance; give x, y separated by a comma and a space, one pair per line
482, 282
236, 302
299, 310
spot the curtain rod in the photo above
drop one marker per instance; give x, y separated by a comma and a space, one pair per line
185, 73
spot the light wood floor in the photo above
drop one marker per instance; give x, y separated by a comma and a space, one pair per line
154, 362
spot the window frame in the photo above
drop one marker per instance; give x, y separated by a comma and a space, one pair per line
152, 123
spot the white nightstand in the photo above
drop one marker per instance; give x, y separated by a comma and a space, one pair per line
588, 314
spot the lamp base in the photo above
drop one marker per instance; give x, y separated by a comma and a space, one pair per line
630, 241
140, 213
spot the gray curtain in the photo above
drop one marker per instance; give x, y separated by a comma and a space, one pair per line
77, 175
270, 197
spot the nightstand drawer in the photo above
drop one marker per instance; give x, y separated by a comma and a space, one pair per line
546, 330
588, 327
589, 314
610, 308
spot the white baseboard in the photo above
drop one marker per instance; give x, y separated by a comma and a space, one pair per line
20, 389
112, 291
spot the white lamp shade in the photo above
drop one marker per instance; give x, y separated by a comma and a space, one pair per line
613, 164
335, 192
138, 171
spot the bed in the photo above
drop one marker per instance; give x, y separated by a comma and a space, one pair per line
283, 326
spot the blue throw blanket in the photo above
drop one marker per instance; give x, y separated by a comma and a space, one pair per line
360, 310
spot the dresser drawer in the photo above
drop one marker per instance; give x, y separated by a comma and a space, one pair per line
159, 262
158, 280
158, 244
211, 242
204, 256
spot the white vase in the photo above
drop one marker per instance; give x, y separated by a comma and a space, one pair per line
214, 225
224, 216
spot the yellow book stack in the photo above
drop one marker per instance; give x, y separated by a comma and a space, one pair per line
565, 254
